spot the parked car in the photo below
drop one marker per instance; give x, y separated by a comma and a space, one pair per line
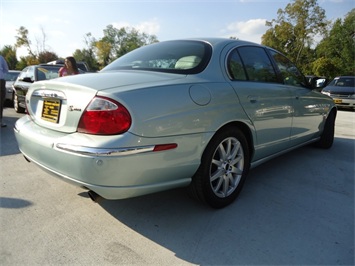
196, 113
28, 76
81, 65
342, 90
10, 78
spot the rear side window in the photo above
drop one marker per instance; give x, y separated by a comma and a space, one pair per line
258, 66
290, 73
235, 66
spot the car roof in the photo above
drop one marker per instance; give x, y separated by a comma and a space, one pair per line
216, 41
344, 77
43, 66
48, 65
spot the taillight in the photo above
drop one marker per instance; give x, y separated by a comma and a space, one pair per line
104, 116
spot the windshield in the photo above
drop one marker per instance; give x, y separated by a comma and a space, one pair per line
343, 82
11, 76
184, 57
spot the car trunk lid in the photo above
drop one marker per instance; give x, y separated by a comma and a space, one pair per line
58, 104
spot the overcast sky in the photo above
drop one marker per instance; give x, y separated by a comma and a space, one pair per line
66, 22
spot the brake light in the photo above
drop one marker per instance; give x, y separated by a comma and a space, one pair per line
104, 116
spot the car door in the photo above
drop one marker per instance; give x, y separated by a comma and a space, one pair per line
267, 102
309, 110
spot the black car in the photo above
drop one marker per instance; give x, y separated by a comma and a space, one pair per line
27, 76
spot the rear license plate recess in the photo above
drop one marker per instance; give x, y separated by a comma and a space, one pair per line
51, 110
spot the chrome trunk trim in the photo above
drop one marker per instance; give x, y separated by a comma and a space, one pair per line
49, 94
91, 151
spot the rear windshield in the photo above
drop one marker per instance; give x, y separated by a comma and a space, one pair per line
184, 57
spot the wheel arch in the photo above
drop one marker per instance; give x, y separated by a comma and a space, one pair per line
246, 132
201, 186
333, 110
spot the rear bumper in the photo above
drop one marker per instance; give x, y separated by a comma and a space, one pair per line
116, 192
133, 171
344, 102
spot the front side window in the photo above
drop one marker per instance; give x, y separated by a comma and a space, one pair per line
31, 73
290, 73
258, 66
23, 74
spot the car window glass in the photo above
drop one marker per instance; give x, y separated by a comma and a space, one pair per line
343, 82
11, 76
290, 73
23, 74
182, 57
30, 73
235, 66
257, 64
46, 72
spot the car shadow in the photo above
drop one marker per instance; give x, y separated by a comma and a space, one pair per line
277, 218
8, 143
14, 203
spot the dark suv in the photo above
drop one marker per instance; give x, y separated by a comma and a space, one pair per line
27, 76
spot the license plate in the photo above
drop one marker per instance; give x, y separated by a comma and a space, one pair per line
51, 110
338, 101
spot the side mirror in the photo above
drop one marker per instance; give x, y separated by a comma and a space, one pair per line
313, 84
318, 83
27, 79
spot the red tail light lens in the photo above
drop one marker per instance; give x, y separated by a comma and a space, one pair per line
104, 116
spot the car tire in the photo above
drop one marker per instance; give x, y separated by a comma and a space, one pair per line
223, 169
18, 109
327, 138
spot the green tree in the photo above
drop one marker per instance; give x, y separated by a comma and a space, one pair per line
22, 39
46, 56
325, 67
41, 54
117, 42
88, 54
9, 53
103, 52
338, 47
294, 30
24, 61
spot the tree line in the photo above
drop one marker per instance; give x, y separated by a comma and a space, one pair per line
293, 32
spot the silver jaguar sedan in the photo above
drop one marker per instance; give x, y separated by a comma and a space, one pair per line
197, 113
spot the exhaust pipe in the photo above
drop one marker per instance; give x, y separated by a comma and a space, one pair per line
94, 196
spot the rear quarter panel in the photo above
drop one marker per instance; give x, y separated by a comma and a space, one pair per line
172, 109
